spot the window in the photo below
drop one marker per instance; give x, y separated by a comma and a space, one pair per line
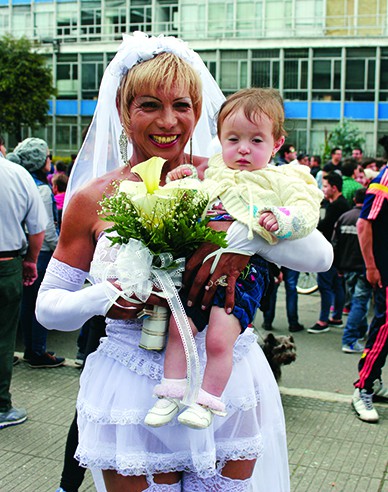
234, 69
265, 73
116, 16
4, 20
295, 78
166, 17
91, 20
360, 78
21, 21
140, 16
44, 21
92, 72
67, 76
67, 24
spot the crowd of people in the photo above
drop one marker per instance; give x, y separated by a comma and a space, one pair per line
355, 198
157, 98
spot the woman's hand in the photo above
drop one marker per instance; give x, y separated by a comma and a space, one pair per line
123, 309
203, 284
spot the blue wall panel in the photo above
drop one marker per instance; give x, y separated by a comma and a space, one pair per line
67, 107
296, 109
321, 110
359, 110
88, 107
383, 111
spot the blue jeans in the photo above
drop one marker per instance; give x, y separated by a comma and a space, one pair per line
290, 278
34, 334
332, 290
361, 294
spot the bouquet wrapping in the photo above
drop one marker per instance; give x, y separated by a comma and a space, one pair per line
157, 228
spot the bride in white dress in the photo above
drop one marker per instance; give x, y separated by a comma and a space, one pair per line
160, 107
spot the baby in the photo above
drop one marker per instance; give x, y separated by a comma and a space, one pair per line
275, 202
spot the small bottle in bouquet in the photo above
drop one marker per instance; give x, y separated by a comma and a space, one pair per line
154, 330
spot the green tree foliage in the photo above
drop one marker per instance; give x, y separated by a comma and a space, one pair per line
25, 86
345, 135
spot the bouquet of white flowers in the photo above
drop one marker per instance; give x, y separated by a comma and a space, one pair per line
158, 227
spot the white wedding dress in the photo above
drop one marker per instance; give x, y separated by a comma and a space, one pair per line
116, 393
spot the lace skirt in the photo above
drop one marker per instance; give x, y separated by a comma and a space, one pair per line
116, 393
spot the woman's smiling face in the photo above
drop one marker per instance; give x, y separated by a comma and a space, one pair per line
161, 124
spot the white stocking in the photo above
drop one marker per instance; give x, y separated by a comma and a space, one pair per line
217, 483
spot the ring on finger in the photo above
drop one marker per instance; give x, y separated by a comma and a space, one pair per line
222, 281
210, 284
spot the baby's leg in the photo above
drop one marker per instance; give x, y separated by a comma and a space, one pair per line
221, 335
171, 389
175, 359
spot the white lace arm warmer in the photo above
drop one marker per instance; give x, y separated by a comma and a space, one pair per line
63, 304
310, 254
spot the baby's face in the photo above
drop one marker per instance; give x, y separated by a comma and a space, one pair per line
247, 146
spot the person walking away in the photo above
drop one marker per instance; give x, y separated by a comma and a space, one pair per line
348, 260
22, 207
330, 283
373, 236
34, 156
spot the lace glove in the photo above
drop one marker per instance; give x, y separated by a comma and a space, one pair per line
63, 304
312, 253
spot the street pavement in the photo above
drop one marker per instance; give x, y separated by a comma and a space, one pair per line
330, 449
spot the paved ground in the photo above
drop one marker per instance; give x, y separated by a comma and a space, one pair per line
329, 448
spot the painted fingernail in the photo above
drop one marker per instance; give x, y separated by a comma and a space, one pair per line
229, 310
189, 303
203, 308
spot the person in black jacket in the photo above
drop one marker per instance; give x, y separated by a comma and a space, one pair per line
349, 261
330, 283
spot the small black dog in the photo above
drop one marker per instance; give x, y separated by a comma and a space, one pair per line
279, 351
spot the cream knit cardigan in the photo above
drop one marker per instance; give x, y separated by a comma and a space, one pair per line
290, 192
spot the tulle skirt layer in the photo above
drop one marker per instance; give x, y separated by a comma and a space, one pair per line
116, 394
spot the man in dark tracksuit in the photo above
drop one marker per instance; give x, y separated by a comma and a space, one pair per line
373, 235
349, 261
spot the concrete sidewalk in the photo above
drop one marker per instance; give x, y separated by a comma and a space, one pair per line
329, 448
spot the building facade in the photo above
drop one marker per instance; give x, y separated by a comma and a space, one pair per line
328, 58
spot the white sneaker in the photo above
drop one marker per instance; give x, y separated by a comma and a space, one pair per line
196, 416
380, 392
362, 404
163, 412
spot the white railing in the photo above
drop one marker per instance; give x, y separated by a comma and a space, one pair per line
343, 26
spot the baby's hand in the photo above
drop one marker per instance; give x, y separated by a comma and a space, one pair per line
179, 172
268, 221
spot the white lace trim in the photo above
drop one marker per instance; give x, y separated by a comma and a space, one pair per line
216, 483
144, 363
204, 464
66, 272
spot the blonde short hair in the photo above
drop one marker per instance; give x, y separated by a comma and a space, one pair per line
254, 102
164, 70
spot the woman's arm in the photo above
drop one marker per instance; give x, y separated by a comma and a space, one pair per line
310, 254
63, 303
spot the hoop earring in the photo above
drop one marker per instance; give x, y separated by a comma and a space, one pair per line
191, 150
123, 146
